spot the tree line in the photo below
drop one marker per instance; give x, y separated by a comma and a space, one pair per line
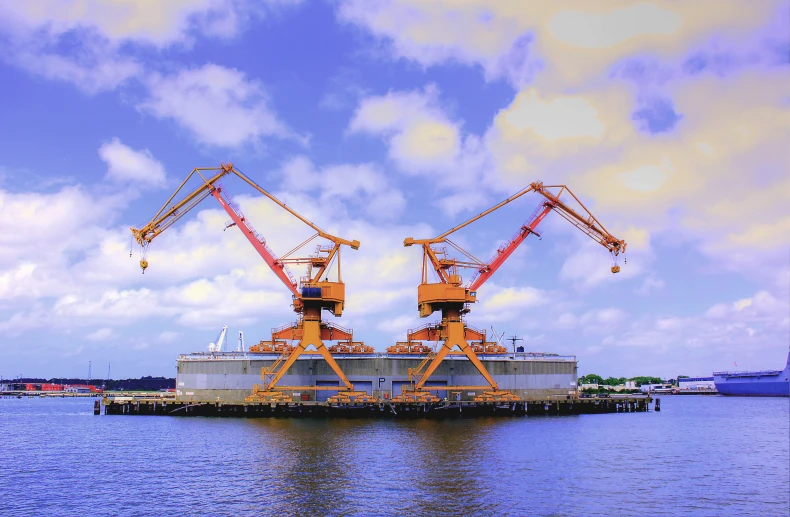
593, 378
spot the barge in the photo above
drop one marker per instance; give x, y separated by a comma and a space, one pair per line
230, 376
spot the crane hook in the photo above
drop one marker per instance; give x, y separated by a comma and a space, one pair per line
143, 265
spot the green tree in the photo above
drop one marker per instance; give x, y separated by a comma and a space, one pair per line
647, 380
591, 378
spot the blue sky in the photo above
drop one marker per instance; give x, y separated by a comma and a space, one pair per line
381, 120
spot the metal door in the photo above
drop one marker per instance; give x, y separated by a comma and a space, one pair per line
322, 395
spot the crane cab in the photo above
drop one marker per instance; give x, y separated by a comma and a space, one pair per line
432, 297
326, 295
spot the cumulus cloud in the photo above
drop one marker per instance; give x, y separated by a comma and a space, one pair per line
364, 186
508, 303
564, 42
728, 331
125, 165
102, 32
422, 139
199, 276
100, 335
420, 136
168, 336
217, 105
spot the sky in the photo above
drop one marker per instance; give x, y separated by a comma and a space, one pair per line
386, 119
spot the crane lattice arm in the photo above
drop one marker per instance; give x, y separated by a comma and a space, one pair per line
172, 211
447, 268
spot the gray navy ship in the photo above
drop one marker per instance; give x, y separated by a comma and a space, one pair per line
767, 383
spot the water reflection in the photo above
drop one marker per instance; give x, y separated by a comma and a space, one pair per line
346, 467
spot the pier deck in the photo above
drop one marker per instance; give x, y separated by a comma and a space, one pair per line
381, 409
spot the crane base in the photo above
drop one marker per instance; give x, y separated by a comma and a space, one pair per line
416, 396
267, 396
496, 396
347, 397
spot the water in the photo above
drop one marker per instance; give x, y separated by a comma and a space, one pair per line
698, 456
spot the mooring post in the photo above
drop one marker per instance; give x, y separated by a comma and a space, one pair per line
658, 404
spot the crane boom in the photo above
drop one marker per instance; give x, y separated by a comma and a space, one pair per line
337, 240
277, 267
589, 225
585, 222
486, 271
172, 211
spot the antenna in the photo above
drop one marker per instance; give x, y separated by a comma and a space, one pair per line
513, 340
89, 371
497, 336
108, 371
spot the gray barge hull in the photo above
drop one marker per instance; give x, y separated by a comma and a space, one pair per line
229, 377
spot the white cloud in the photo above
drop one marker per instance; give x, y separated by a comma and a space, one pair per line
419, 135
101, 334
599, 319
509, 303
650, 285
92, 72
99, 34
339, 187
554, 119
79, 274
589, 265
168, 336
146, 21
566, 320
747, 328
564, 42
125, 165
399, 325
218, 106
422, 139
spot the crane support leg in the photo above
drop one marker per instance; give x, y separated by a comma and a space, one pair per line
311, 335
455, 336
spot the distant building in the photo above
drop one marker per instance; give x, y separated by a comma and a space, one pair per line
649, 388
77, 389
589, 386
696, 383
630, 385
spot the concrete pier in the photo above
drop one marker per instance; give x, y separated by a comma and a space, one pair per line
381, 409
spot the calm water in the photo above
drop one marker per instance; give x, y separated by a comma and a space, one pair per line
699, 456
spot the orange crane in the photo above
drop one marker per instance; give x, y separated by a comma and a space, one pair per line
311, 296
453, 299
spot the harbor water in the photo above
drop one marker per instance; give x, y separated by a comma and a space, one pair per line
701, 455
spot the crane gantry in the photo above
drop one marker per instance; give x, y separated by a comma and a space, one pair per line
453, 299
312, 295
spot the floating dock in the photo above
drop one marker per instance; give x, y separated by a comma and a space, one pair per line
153, 405
216, 385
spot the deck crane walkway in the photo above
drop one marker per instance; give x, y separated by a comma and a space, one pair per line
312, 295
452, 298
